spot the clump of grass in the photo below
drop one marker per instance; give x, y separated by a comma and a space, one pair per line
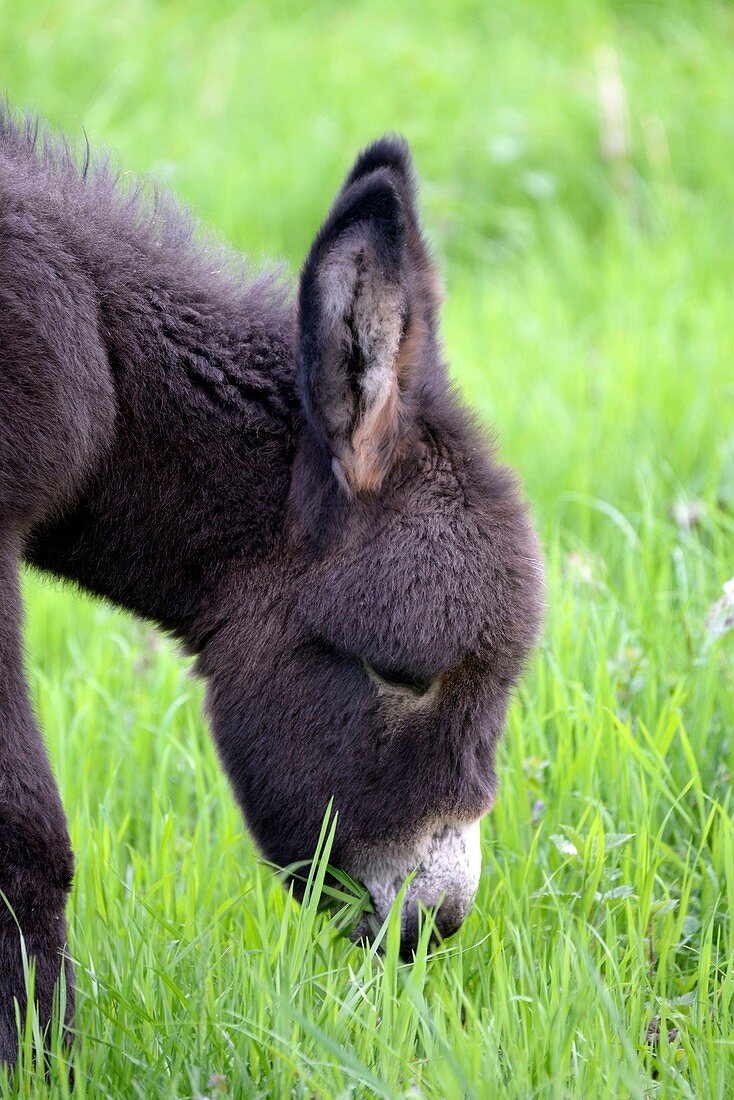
320, 885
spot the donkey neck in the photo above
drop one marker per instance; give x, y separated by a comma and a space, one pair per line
194, 478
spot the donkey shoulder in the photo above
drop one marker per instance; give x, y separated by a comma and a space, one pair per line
57, 404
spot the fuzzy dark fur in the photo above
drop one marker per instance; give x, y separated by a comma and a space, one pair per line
283, 487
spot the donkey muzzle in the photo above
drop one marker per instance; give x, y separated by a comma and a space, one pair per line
445, 864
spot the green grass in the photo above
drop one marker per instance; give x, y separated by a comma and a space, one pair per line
588, 319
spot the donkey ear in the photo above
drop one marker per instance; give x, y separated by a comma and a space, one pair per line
365, 310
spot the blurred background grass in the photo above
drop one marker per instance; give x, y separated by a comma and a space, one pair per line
575, 159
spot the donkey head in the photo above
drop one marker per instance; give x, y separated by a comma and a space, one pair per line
374, 655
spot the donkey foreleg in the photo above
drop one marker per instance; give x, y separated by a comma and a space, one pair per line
36, 862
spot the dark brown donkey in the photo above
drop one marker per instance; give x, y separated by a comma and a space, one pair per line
289, 488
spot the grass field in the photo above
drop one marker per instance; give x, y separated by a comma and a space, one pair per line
579, 191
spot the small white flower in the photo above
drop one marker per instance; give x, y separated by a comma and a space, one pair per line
721, 617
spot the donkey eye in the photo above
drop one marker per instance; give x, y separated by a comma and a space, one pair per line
398, 681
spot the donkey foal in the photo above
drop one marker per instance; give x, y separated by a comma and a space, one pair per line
289, 488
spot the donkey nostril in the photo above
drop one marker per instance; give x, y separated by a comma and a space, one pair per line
409, 939
449, 920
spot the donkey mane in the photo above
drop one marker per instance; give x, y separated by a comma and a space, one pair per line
47, 163
148, 233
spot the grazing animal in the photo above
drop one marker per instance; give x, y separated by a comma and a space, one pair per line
288, 487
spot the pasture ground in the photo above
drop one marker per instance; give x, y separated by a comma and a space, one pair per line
576, 160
